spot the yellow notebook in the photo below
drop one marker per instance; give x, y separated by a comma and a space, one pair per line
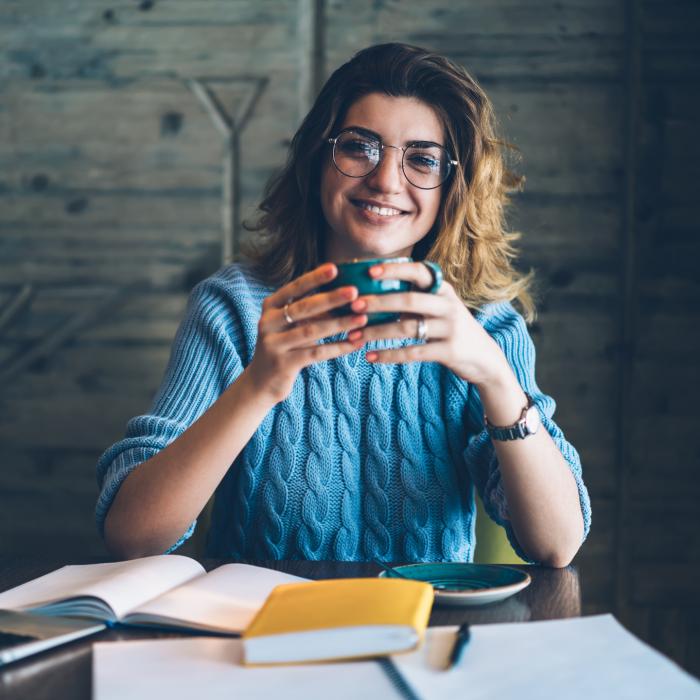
338, 619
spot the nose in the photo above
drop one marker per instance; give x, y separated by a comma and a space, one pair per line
388, 176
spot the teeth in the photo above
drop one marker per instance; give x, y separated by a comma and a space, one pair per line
382, 211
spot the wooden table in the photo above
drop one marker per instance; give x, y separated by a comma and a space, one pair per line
66, 672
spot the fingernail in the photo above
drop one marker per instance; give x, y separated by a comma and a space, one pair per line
354, 335
371, 356
359, 305
330, 271
376, 270
350, 293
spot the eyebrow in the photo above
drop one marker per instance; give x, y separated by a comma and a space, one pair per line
420, 143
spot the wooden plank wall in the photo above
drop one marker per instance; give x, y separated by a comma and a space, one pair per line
110, 185
110, 210
659, 518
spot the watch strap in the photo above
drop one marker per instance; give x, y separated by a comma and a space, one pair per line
512, 432
517, 431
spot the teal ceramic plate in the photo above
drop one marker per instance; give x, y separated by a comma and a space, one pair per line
467, 584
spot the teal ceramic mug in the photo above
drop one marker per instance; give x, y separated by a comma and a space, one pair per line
356, 274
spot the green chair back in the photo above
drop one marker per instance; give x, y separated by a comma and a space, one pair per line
492, 546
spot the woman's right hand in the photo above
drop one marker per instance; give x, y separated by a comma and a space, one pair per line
283, 349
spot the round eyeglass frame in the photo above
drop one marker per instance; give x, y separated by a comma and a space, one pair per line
450, 163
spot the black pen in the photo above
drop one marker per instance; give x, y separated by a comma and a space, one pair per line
461, 640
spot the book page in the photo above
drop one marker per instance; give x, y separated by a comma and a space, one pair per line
122, 585
225, 599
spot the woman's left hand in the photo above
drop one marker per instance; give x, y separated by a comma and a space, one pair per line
453, 337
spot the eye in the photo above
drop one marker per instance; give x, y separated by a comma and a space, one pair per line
425, 161
354, 146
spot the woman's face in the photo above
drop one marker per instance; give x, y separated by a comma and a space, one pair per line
381, 214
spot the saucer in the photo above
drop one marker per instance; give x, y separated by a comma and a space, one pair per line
467, 584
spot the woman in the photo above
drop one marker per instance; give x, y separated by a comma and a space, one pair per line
325, 437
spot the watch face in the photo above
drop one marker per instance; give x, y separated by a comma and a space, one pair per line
532, 420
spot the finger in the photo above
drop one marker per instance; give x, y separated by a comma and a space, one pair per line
428, 352
327, 351
415, 272
436, 329
403, 302
302, 285
308, 334
316, 305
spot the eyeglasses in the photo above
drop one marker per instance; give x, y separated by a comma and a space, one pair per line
425, 164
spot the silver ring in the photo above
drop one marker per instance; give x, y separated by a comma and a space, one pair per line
422, 330
285, 312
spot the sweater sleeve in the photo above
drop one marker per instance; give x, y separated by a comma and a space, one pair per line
204, 360
507, 327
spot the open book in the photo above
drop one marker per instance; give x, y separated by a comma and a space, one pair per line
167, 590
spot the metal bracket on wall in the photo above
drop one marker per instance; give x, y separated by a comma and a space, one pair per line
231, 128
16, 305
53, 339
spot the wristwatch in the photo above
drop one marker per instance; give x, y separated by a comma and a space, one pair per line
527, 424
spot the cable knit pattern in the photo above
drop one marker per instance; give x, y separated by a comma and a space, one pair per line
377, 466
251, 464
429, 404
413, 472
319, 465
347, 394
360, 460
282, 461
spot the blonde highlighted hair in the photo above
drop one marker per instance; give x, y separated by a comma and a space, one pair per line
469, 239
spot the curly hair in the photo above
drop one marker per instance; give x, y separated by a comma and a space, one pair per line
468, 240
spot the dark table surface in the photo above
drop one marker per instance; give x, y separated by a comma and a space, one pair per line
66, 672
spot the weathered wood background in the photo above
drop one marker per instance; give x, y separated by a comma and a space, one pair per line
111, 172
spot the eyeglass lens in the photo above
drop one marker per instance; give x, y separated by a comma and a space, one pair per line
425, 166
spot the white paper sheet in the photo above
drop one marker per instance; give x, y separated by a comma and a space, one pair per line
576, 659
183, 669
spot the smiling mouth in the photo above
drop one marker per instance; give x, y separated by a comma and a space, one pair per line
381, 211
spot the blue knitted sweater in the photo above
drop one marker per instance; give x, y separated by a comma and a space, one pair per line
360, 461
